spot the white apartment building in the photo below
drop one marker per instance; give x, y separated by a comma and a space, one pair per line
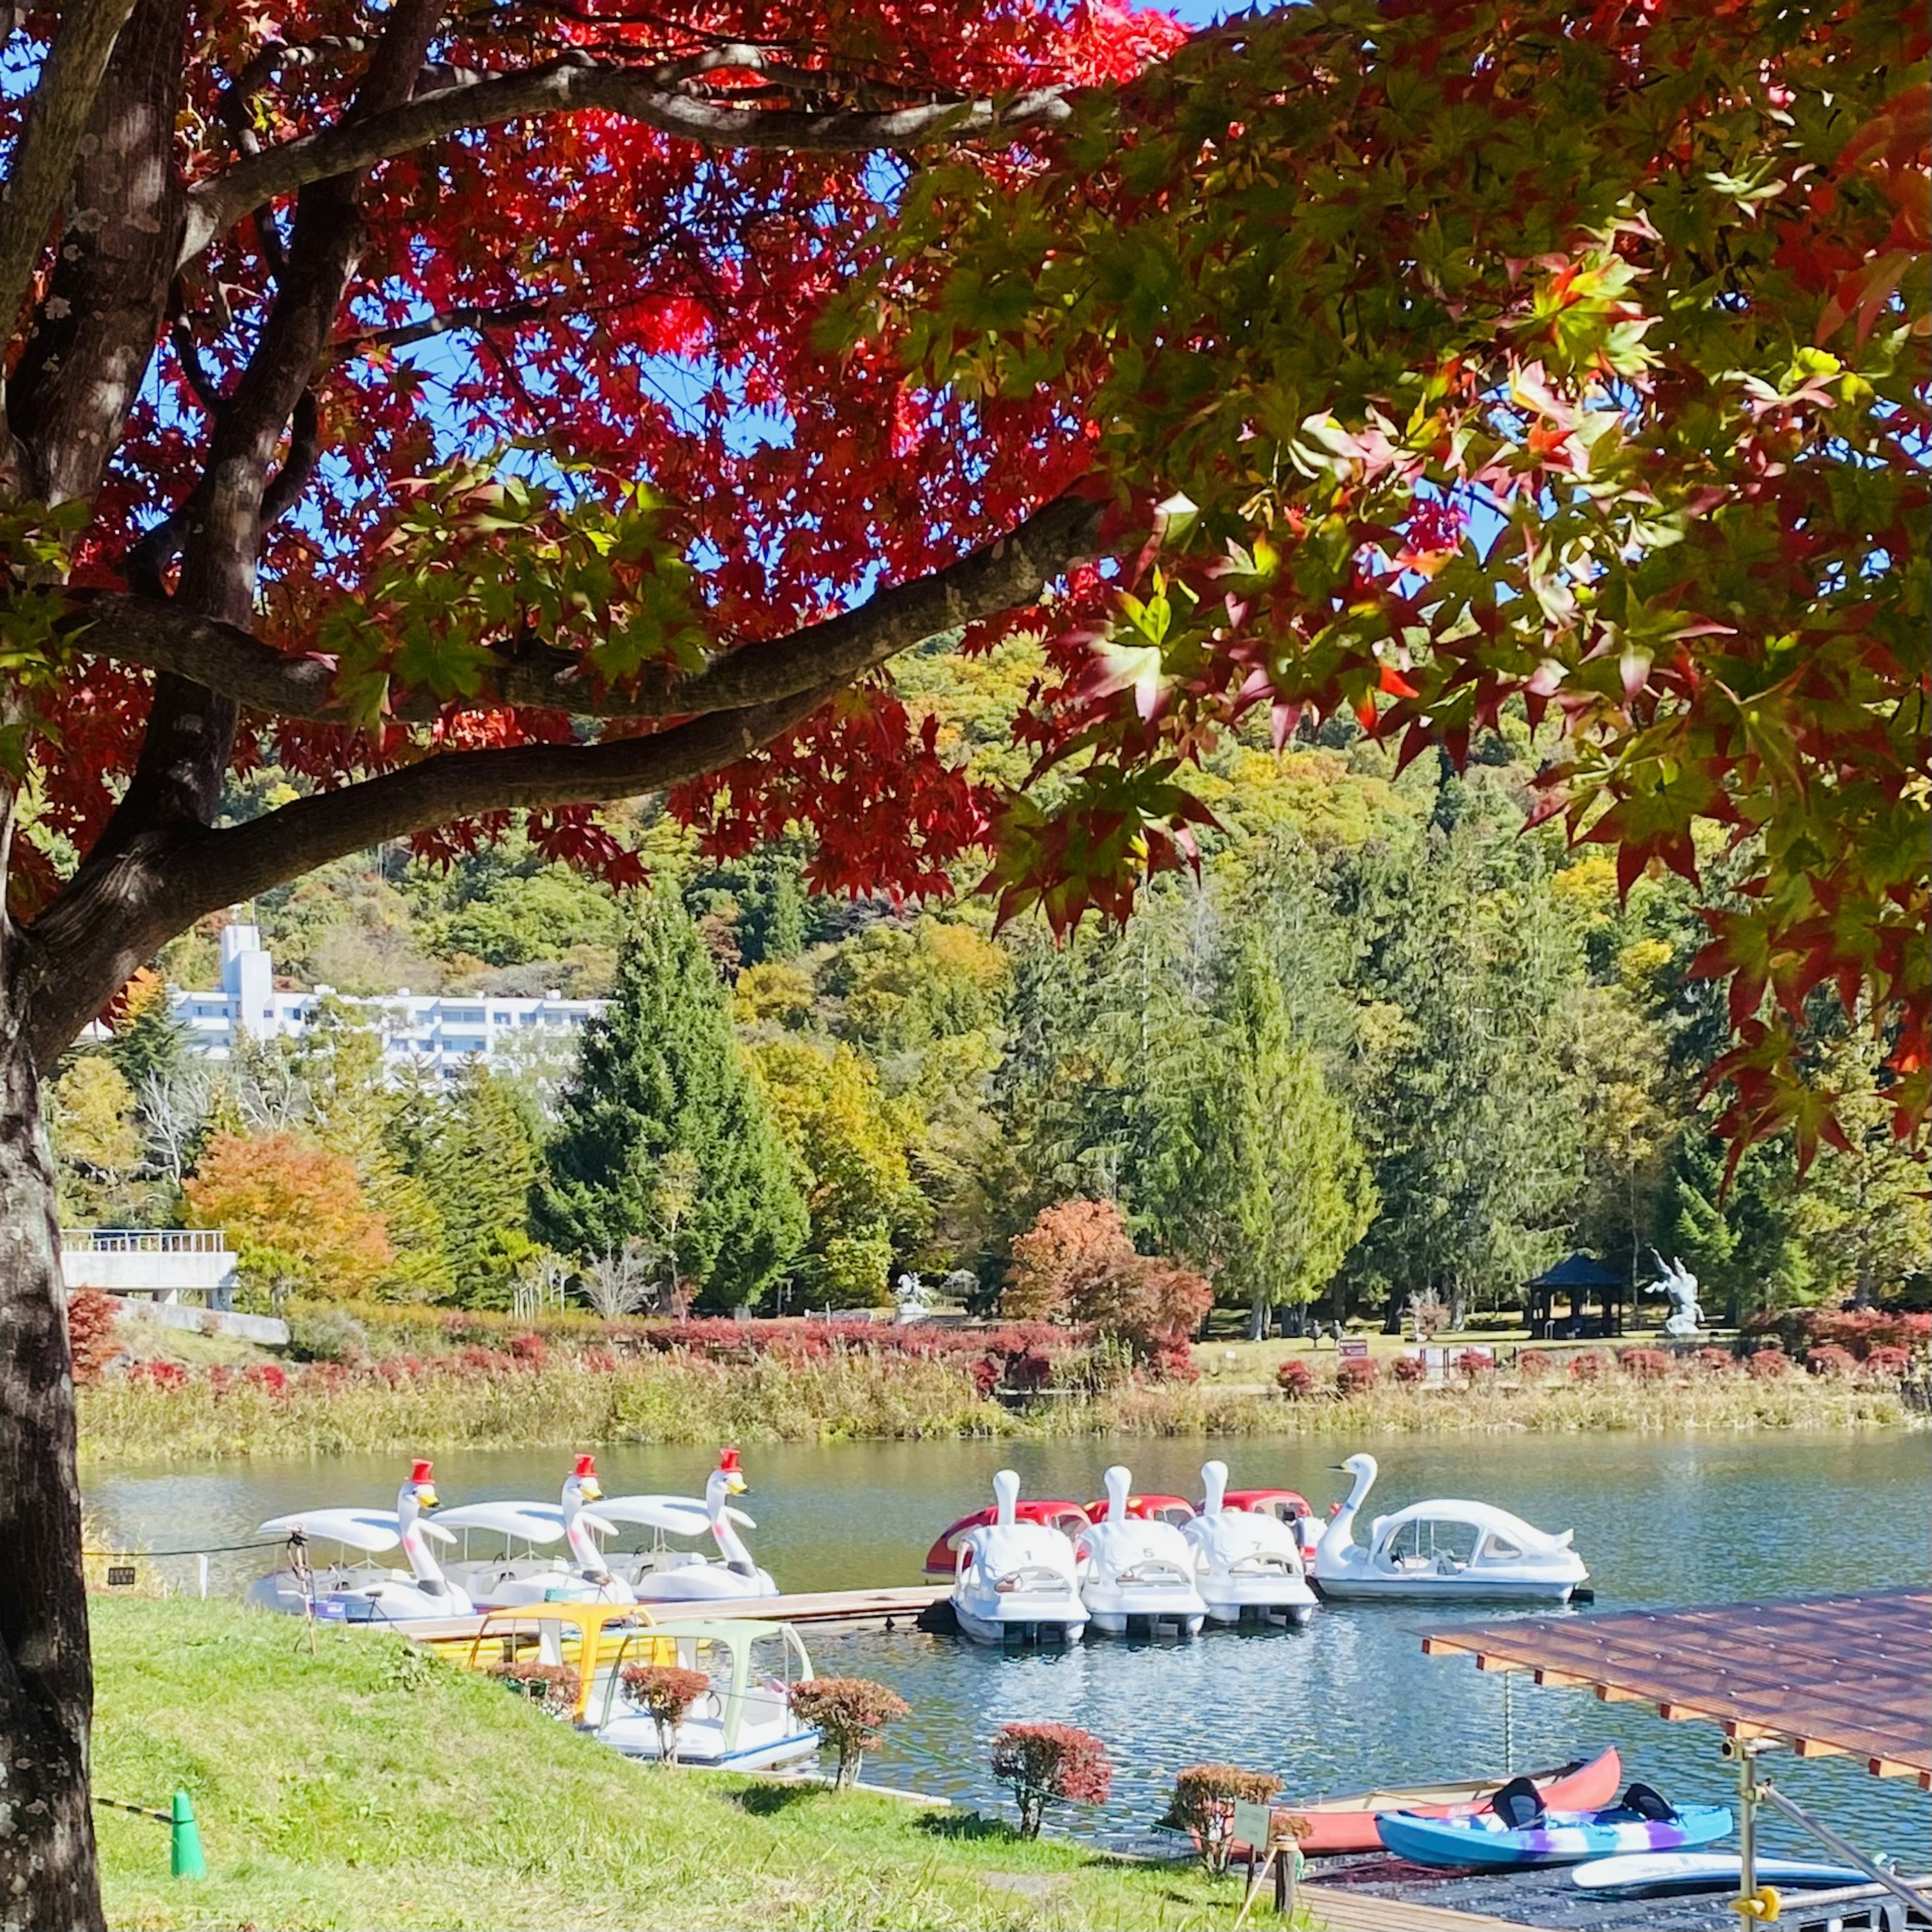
433, 1033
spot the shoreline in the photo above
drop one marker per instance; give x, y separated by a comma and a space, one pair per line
323, 1409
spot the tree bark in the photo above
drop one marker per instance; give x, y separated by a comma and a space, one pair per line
48, 1878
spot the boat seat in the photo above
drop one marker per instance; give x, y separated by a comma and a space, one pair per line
1519, 1804
1650, 1803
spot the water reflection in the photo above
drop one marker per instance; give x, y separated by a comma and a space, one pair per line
1348, 1702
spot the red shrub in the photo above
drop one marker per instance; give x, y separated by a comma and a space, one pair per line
850, 1713
529, 1351
1533, 1365
1767, 1365
1715, 1361
269, 1375
221, 1379
1410, 1368
327, 1378
598, 1361
1644, 1365
1040, 1762
1357, 1377
664, 1691
985, 1374
1831, 1362
1203, 1805
1295, 1379
91, 1345
1589, 1366
1173, 1361
1477, 1365
553, 1687
159, 1374
1884, 1364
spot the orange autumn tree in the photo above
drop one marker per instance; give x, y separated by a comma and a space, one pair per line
1077, 1264
296, 1212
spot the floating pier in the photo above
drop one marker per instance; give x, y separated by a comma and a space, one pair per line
895, 1608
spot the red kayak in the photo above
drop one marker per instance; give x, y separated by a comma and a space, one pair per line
1348, 1824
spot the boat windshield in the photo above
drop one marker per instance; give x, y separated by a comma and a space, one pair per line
1432, 1543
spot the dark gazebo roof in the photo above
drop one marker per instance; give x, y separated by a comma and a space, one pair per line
1578, 1271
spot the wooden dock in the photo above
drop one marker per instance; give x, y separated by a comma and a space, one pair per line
1345, 1909
898, 1609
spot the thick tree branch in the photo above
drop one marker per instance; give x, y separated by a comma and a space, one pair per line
216, 204
225, 867
114, 914
57, 116
164, 637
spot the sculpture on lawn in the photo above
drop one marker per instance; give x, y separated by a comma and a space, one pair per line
1677, 1282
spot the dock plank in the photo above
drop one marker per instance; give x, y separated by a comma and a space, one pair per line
1348, 1910
892, 1607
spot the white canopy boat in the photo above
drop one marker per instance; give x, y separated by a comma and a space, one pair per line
1017, 1582
514, 1579
745, 1723
355, 1593
1445, 1548
1248, 1562
659, 1574
1137, 1572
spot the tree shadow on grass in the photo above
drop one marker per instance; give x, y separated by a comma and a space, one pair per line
969, 1827
767, 1801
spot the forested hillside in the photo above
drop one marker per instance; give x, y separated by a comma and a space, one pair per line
1385, 1043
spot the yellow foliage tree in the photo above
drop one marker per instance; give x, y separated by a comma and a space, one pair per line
296, 1213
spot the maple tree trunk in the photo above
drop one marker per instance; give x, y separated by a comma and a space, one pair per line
49, 1879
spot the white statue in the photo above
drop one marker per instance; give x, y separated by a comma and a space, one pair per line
909, 1300
1677, 1282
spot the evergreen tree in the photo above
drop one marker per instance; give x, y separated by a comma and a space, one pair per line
662, 1071
148, 1043
1283, 1172
478, 1163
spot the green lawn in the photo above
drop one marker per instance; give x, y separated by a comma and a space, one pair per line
369, 1786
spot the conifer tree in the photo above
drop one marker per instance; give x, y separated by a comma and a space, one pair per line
478, 1161
1284, 1173
660, 1072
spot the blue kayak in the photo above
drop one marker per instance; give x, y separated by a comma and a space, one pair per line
1551, 1838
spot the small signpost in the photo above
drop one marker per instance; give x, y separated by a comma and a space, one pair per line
120, 1576
1352, 1351
1273, 1840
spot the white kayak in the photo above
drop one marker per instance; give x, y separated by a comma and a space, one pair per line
1638, 1872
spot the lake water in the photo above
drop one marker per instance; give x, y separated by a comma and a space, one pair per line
1350, 1701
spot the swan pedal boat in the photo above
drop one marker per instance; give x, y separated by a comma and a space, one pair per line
942, 1560
1446, 1548
659, 1574
1136, 1570
745, 1722
1017, 1582
1248, 1562
1518, 1832
509, 1581
367, 1593
1347, 1823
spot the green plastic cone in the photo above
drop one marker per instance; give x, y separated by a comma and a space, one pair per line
184, 1856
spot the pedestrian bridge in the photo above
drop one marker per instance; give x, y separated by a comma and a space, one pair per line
159, 1270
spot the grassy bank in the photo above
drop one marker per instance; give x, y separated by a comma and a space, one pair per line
369, 1786
201, 1415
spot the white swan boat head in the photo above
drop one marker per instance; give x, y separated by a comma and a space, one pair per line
1135, 1568
659, 1574
365, 1593
1017, 1580
1448, 1546
512, 1579
1248, 1562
